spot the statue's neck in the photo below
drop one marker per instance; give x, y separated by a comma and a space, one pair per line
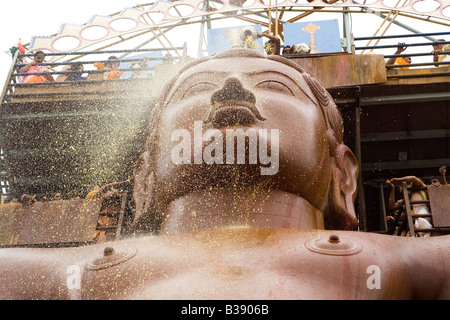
222, 208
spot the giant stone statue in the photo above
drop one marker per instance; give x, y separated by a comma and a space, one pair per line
245, 191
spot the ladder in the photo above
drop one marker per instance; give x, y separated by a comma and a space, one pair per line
117, 214
408, 207
113, 211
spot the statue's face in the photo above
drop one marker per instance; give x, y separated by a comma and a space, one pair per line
245, 93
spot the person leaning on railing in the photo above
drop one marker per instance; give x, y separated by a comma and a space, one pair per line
111, 67
405, 60
33, 67
438, 48
77, 69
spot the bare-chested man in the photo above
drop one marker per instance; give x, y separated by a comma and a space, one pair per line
227, 226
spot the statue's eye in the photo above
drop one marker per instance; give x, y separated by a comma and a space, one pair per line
198, 88
274, 86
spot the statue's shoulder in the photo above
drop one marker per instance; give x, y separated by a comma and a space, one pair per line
317, 241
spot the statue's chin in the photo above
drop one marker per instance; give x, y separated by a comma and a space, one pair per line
191, 178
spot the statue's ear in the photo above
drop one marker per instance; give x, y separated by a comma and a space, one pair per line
340, 213
143, 191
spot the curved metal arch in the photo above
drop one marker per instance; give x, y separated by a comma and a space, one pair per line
173, 13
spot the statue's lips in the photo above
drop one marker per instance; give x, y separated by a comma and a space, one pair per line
234, 113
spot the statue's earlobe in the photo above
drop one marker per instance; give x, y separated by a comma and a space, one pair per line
343, 190
143, 189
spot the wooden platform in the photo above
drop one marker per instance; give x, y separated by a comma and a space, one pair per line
48, 223
440, 205
344, 70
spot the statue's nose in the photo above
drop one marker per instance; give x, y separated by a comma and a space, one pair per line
233, 93
233, 90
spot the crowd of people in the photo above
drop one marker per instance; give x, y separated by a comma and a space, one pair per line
440, 53
39, 72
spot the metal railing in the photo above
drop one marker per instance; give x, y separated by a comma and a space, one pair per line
4, 186
407, 45
13, 78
